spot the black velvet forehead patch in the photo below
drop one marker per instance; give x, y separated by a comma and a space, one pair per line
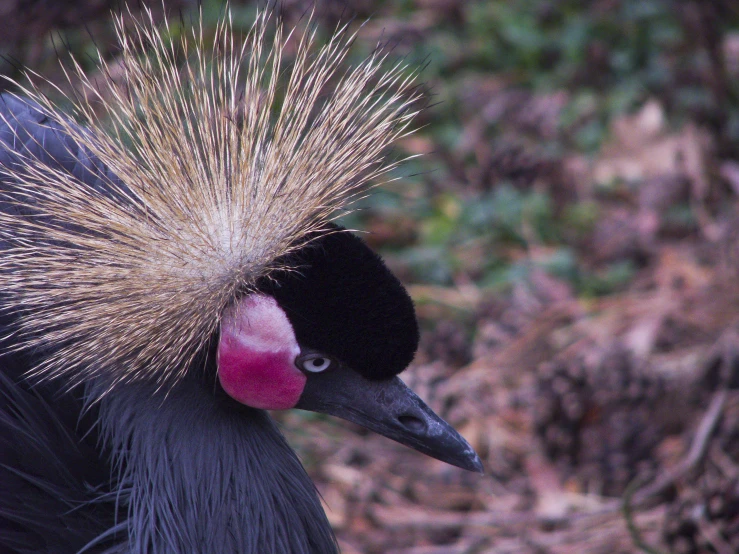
343, 301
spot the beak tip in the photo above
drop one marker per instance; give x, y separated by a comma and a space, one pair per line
473, 463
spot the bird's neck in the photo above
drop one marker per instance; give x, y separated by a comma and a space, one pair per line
202, 476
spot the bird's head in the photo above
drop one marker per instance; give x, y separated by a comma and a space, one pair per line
330, 335
119, 257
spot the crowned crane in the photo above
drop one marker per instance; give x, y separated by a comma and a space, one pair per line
169, 272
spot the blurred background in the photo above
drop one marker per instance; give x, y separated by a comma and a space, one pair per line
569, 235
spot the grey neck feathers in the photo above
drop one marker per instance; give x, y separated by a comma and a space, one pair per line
200, 477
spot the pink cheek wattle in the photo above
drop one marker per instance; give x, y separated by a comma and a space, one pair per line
264, 380
256, 355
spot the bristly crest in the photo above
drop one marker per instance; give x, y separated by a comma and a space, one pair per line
221, 163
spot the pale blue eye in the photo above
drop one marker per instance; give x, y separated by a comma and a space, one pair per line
316, 364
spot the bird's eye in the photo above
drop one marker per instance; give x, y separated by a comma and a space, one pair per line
314, 363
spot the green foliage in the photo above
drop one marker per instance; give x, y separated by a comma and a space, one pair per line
609, 57
605, 57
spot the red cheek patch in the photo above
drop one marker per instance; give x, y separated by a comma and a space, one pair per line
256, 355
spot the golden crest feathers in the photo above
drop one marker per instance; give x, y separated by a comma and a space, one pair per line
216, 167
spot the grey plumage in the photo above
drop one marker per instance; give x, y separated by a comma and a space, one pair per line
54, 482
210, 476
206, 477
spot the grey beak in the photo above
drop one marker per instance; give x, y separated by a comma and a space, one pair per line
391, 409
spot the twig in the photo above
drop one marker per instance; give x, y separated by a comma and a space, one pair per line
697, 451
626, 509
712, 534
724, 462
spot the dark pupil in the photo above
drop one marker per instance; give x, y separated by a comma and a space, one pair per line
317, 362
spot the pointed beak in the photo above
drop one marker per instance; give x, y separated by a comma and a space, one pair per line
391, 409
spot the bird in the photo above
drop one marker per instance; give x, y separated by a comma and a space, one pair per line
171, 270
